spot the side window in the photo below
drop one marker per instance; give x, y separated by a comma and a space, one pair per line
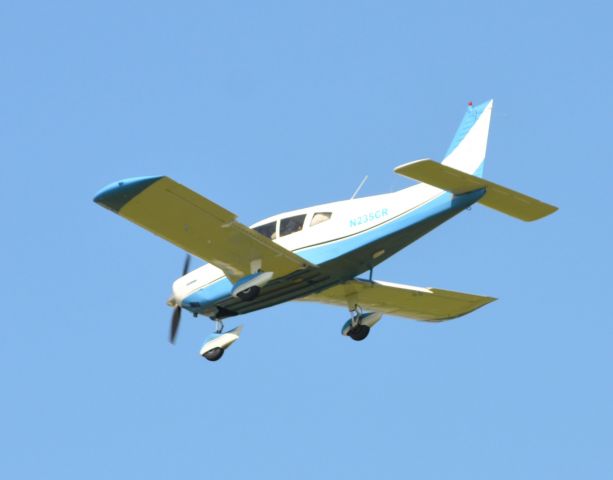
291, 224
268, 230
320, 217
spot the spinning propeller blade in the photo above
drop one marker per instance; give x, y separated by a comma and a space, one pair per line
174, 325
176, 314
188, 259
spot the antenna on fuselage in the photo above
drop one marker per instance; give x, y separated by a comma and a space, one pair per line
357, 190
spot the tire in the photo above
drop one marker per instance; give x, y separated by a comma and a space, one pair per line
359, 332
250, 294
214, 354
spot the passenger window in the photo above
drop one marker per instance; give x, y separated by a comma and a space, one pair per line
320, 217
292, 224
268, 230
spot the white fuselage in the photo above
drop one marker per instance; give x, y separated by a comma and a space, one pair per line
347, 218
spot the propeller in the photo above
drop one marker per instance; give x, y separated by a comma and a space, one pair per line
176, 314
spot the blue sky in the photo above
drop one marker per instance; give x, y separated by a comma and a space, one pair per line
268, 106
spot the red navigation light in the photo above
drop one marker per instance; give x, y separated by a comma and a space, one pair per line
470, 104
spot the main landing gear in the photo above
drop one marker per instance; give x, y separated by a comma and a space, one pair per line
249, 294
357, 332
359, 325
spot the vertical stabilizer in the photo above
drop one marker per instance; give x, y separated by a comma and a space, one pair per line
468, 147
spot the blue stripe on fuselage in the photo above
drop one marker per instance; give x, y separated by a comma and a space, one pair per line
221, 289
208, 296
444, 202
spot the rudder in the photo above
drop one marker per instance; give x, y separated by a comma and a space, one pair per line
468, 147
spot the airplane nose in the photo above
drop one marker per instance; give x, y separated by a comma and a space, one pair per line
175, 298
172, 301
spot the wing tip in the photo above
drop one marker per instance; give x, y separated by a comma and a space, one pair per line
117, 194
545, 210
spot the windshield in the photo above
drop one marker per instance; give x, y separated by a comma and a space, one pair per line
268, 230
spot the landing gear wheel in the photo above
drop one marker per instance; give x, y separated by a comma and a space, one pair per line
214, 354
359, 332
250, 294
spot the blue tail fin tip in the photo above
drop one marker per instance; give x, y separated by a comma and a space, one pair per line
470, 118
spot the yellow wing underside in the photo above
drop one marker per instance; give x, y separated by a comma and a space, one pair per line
203, 228
426, 304
499, 198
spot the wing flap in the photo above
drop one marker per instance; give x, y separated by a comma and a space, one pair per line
426, 304
197, 225
496, 196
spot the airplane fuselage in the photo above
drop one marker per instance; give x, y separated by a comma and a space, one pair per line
344, 239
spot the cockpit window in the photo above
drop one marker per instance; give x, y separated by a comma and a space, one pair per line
268, 230
320, 217
291, 225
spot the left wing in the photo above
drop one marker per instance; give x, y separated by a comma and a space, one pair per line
197, 225
427, 304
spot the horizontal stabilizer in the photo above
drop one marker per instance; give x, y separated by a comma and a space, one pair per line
496, 196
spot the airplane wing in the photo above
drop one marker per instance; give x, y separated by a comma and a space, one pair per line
197, 225
426, 304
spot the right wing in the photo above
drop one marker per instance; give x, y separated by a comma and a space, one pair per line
427, 304
198, 226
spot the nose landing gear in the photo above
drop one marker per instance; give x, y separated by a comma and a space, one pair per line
214, 354
216, 344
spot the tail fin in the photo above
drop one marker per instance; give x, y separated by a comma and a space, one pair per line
467, 150
462, 170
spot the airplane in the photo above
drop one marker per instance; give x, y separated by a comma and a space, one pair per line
317, 254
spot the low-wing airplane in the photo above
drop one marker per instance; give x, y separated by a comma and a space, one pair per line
315, 254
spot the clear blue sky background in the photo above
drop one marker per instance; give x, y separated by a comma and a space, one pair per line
269, 106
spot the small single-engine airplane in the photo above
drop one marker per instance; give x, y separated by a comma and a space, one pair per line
315, 254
